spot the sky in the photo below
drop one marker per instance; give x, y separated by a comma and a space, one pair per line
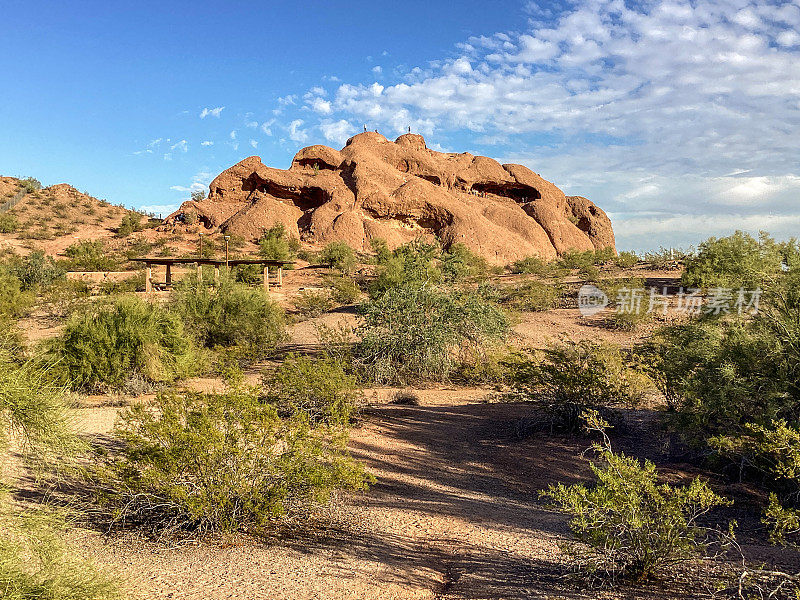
680, 119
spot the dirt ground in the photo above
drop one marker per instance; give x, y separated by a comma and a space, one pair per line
455, 512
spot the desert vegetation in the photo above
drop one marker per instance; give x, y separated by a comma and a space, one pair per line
250, 414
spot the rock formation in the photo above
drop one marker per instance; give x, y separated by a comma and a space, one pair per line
398, 191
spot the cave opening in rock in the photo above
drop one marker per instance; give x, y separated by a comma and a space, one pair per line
516, 192
304, 198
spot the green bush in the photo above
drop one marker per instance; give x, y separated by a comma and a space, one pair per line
30, 185
89, 255
339, 256
460, 263
381, 250
735, 261
131, 223
35, 562
343, 290
414, 332
65, 296
274, 244
665, 258
105, 345
37, 271
222, 463
313, 303
233, 314
14, 301
8, 223
532, 265
631, 526
412, 264
568, 378
626, 259
318, 387
532, 296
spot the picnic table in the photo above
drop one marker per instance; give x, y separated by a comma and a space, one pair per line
265, 263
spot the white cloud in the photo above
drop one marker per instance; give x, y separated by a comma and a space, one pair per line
211, 112
254, 143
266, 127
638, 106
252, 124
207, 143
321, 106
296, 133
377, 69
182, 146
337, 131
232, 134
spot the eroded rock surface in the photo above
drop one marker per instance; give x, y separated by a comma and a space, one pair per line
398, 191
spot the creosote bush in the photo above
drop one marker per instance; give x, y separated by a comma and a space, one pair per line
88, 255
319, 387
104, 345
343, 289
232, 314
313, 303
8, 223
460, 263
533, 296
630, 525
131, 223
737, 261
275, 244
339, 256
221, 463
411, 264
568, 378
418, 331
35, 562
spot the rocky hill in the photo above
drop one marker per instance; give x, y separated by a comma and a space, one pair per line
376, 188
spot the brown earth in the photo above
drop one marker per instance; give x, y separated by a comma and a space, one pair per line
398, 191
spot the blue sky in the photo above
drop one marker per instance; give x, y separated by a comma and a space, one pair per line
681, 120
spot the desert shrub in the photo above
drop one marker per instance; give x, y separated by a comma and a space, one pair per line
37, 271
131, 223
574, 259
313, 303
665, 258
532, 296
65, 296
532, 265
35, 563
381, 250
198, 195
343, 290
208, 463
416, 332
629, 320
620, 289
626, 259
495, 365
318, 387
412, 264
30, 185
89, 255
103, 345
14, 301
339, 256
568, 378
735, 261
8, 223
134, 283
274, 244
460, 263
404, 398
233, 314
190, 218
589, 273
630, 525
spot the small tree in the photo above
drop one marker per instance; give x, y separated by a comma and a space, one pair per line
275, 244
198, 195
631, 526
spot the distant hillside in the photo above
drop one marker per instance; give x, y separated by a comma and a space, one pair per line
56, 217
